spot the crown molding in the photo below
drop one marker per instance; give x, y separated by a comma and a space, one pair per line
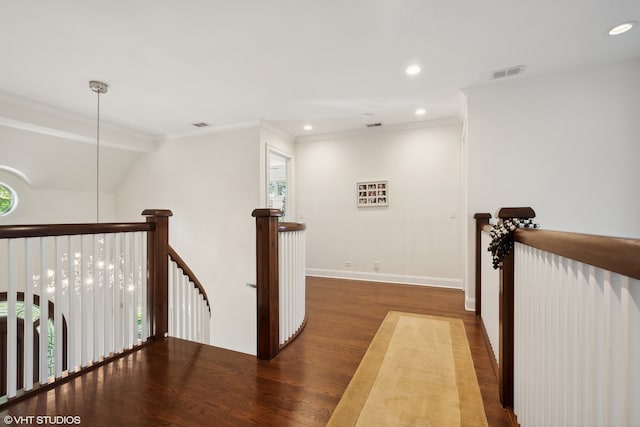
447, 121
28, 115
208, 130
280, 132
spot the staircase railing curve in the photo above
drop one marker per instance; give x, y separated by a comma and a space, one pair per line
281, 282
107, 288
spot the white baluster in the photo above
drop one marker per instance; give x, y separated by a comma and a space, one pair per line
57, 320
189, 296
44, 313
194, 310
144, 285
126, 295
117, 294
28, 314
136, 287
107, 302
72, 318
171, 301
12, 320
84, 303
95, 290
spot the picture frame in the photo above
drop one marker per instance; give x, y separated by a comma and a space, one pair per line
371, 194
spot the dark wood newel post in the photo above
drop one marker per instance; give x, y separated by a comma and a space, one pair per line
268, 315
505, 363
506, 307
482, 219
158, 267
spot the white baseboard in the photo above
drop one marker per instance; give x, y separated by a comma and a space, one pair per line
470, 304
439, 282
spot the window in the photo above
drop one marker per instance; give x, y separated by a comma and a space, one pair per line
277, 180
8, 199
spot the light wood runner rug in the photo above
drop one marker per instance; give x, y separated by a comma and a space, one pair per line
418, 371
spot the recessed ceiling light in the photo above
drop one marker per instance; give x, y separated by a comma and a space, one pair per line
421, 112
308, 127
414, 69
622, 28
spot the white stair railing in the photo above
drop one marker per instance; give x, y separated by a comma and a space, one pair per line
292, 279
280, 282
569, 325
189, 309
83, 297
73, 296
576, 343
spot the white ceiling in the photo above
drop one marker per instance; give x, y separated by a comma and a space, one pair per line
172, 63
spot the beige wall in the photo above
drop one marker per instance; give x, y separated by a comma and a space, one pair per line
209, 182
416, 239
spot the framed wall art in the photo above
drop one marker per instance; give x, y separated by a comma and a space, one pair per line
372, 194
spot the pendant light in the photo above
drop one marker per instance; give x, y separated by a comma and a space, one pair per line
99, 88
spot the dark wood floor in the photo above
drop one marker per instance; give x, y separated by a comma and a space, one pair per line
176, 382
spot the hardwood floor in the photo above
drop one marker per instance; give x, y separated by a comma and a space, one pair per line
176, 382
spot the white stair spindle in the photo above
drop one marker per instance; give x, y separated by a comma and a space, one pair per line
144, 285
57, 319
117, 294
136, 287
84, 303
107, 292
44, 313
95, 290
171, 302
12, 321
72, 318
127, 291
28, 314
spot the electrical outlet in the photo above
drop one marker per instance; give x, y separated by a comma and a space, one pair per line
347, 264
376, 265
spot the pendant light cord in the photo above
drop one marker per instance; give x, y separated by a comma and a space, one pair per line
99, 88
98, 164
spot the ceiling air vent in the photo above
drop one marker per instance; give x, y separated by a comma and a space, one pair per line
508, 72
201, 125
372, 125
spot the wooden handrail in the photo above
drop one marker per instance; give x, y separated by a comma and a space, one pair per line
190, 274
44, 230
619, 255
284, 227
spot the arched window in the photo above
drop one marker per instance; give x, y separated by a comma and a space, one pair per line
8, 199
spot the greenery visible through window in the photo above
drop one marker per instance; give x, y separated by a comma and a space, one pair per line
7, 199
51, 330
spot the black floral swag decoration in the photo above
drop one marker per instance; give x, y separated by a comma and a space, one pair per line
502, 238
